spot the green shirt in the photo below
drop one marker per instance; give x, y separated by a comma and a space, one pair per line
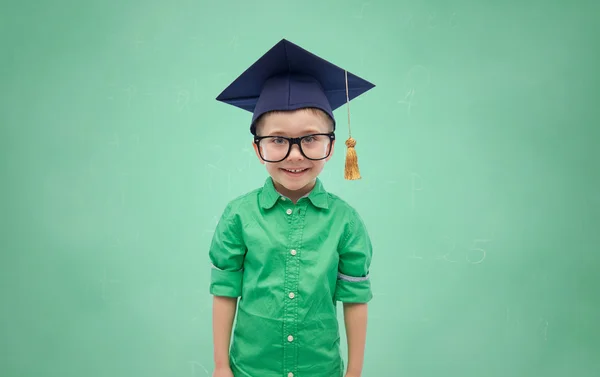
289, 264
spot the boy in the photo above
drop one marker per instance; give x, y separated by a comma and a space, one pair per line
290, 250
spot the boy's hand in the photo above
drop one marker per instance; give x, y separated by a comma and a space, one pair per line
223, 372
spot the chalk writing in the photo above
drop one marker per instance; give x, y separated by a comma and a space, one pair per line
543, 326
211, 229
362, 11
408, 100
218, 152
414, 187
248, 157
197, 40
446, 257
131, 91
432, 23
234, 41
410, 23
476, 254
198, 369
183, 99
453, 20
138, 42
206, 308
110, 96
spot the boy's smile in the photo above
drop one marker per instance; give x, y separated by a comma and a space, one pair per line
295, 176
295, 172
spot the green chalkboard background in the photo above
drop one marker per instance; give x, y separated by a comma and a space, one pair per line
479, 151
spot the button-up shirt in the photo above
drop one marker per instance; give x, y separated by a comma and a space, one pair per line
289, 264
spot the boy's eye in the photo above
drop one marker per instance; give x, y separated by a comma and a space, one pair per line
278, 140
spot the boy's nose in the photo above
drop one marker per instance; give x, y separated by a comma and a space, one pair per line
295, 153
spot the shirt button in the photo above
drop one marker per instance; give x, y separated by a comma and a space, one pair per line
290, 338
290, 374
289, 211
292, 295
293, 252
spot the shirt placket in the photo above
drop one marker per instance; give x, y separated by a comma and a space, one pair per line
292, 273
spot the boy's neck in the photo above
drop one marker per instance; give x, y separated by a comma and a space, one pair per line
294, 196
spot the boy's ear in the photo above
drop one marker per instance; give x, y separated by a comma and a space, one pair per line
256, 151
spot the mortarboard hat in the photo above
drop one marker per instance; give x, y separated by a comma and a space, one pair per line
288, 77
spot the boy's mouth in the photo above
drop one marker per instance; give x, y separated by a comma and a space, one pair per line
294, 171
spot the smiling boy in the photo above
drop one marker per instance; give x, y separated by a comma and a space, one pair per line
290, 250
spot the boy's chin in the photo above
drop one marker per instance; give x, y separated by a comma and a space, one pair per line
293, 183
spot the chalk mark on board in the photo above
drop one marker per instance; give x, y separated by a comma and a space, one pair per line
544, 331
138, 41
445, 256
110, 96
131, 90
475, 247
250, 154
414, 255
414, 188
362, 11
197, 40
204, 308
453, 22
221, 153
410, 21
234, 41
430, 19
220, 75
215, 222
408, 100
183, 99
195, 364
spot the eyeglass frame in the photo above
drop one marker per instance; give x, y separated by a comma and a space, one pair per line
295, 140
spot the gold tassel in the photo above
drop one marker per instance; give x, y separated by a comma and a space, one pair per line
351, 172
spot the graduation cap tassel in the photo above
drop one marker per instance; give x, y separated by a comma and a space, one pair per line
351, 171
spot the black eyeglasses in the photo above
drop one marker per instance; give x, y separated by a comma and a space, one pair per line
277, 148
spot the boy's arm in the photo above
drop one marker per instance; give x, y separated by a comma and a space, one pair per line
355, 317
353, 289
227, 252
223, 314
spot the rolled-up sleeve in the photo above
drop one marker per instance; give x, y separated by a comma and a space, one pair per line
227, 252
355, 254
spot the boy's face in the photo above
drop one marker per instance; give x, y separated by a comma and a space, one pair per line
294, 124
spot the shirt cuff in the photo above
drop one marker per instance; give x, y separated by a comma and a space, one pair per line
226, 283
353, 289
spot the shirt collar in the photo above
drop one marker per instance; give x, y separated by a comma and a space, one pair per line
269, 196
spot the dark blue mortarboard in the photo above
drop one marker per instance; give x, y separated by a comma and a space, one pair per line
288, 77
